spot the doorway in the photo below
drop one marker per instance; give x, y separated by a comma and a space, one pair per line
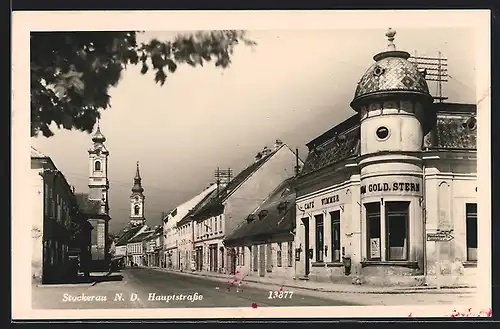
305, 221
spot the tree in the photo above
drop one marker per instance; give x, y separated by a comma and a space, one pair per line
71, 72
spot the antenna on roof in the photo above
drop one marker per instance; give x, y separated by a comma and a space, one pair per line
434, 69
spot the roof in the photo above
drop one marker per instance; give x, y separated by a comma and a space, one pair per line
182, 210
196, 209
37, 154
274, 216
214, 206
91, 207
141, 237
451, 131
128, 233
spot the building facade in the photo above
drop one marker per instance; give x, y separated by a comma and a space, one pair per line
59, 229
379, 189
154, 246
98, 194
177, 242
264, 244
230, 206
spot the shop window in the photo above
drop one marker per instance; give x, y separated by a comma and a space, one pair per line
471, 231
97, 166
373, 230
319, 238
278, 255
335, 217
396, 220
255, 258
290, 253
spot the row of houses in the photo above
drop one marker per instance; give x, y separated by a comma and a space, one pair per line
388, 196
140, 245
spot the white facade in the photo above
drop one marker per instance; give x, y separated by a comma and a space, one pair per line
173, 236
121, 250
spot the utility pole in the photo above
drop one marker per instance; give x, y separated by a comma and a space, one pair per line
434, 69
297, 167
222, 175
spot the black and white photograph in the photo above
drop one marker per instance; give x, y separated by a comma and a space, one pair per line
243, 165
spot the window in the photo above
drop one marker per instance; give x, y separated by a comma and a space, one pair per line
335, 251
319, 238
278, 255
396, 220
471, 231
136, 210
215, 224
290, 253
242, 256
373, 230
97, 165
255, 258
238, 258
220, 223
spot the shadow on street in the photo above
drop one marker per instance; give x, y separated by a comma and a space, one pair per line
89, 279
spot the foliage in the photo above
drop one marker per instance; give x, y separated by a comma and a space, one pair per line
71, 72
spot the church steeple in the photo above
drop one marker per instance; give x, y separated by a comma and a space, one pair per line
137, 200
98, 169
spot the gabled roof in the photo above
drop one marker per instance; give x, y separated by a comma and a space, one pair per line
141, 237
182, 210
214, 206
128, 233
274, 216
90, 207
205, 201
37, 154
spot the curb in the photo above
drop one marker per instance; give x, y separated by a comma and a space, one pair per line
424, 290
71, 285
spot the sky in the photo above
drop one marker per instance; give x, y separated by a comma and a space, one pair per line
294, 85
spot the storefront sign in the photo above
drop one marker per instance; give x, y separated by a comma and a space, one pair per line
391, 187
320, 202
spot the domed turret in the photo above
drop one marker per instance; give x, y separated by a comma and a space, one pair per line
393, 78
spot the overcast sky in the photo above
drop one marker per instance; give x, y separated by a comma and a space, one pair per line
294, 85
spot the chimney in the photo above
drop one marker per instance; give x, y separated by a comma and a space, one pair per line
277, 144
266, 151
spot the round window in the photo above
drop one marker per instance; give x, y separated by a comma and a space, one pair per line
472, 124
378, 71
382, 132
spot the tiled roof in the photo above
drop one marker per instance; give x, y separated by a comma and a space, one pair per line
275, 215
127, 234
337, 144
91, 207
141, 237
203, 204
214, 206
455, 128
452, 131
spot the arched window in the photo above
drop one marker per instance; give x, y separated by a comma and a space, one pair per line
136, 210
97, 165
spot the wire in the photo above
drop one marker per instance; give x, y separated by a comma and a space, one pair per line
463, 84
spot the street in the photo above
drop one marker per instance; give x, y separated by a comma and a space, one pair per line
149, 288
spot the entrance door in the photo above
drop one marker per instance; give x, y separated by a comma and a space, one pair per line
262, 259
306, 244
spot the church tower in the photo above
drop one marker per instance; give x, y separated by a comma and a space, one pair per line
137, 201
98, 166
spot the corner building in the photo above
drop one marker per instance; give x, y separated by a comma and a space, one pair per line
378, 186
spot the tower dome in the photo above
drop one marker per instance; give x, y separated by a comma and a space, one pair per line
391, 74
98, 136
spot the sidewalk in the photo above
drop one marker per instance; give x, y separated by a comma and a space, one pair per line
81, 281
326, 286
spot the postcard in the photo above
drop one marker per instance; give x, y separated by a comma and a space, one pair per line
234, 165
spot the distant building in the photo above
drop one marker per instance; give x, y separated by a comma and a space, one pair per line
59, 229
389, 196
136, 247
121, 244
177, 243
264, 243
154, 246
230, 206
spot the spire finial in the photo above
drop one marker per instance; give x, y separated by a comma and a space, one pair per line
390, 36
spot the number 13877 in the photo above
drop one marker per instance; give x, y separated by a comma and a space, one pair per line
280, 294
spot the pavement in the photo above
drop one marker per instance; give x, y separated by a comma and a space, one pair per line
159, 288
